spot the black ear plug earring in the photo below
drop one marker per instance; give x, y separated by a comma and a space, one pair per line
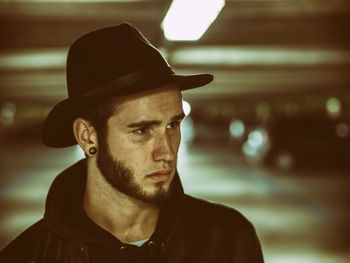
93, 150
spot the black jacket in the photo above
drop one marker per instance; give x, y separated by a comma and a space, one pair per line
188, 230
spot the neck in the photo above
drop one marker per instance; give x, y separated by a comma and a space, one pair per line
124, 217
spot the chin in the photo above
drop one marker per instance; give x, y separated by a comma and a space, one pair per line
158, 192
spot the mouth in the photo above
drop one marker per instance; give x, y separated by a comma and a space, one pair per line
160, 176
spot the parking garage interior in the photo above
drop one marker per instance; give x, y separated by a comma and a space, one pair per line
270, 136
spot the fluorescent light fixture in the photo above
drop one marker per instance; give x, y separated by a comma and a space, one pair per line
262, 55
188, 20
33, 59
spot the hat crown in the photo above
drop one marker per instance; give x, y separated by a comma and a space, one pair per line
107, 54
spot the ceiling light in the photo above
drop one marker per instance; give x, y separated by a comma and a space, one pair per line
188, 20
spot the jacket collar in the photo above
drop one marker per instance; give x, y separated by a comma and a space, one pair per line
66, 217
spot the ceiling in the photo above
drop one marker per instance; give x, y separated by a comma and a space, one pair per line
254, 47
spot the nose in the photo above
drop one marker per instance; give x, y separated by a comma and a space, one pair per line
163, 149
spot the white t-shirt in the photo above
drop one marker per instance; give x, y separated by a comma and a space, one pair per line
139, 243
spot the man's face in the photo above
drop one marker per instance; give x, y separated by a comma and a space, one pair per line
138, 156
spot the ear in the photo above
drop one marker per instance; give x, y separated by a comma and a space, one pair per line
85, 135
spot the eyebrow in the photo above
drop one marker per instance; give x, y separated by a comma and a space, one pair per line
155, 122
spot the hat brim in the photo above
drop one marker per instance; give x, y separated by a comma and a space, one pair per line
57, 130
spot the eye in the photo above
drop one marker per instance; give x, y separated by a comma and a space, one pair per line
142, 131
174, 125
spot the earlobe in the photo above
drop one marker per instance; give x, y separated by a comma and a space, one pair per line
84, 134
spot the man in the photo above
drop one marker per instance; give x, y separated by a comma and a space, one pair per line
124, 202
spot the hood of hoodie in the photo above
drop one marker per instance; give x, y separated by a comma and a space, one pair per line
65, 215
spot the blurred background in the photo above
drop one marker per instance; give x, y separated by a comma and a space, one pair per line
269, 137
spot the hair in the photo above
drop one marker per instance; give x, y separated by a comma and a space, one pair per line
98, 114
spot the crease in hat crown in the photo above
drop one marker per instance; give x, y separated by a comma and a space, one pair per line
111, 61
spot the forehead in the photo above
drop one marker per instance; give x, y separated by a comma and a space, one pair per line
159, 103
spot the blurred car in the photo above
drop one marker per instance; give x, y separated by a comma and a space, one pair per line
300, 142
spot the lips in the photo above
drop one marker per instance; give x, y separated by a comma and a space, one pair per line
161, 175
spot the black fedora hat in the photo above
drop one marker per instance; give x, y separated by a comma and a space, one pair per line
112, 61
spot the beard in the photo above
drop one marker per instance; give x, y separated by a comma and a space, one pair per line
121, 177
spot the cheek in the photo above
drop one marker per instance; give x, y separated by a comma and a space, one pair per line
133, 154
175, 141
120, 148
